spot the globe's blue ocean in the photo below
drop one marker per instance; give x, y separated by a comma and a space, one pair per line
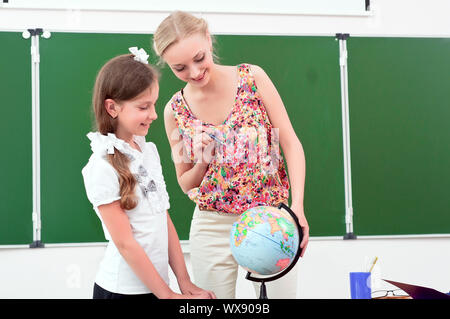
264, 240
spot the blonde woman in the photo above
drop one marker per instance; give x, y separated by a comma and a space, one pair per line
225, 128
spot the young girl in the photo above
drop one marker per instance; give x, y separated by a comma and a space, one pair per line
227, 159
124, 183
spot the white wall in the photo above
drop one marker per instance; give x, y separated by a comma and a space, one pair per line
68, 272
387, 18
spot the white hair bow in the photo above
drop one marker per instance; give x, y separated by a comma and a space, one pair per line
139, 55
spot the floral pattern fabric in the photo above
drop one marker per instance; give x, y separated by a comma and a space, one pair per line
247, 169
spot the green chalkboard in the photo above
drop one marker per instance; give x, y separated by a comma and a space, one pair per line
16, 190
307, 81
399, 100
399, 109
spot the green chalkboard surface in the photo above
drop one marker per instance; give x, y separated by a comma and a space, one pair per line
16, 190
399, 126
69, 63
399, 109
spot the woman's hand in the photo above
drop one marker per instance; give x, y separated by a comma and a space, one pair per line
203, 147
304, 225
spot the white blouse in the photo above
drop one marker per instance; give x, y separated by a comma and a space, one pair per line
148, 219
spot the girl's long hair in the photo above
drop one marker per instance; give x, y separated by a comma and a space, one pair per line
120, 79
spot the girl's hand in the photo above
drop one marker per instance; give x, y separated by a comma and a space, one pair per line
203, 295
304, 225
190, 290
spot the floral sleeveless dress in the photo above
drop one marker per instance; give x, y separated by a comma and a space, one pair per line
247, 169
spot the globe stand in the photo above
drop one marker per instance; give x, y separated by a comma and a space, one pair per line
262, 289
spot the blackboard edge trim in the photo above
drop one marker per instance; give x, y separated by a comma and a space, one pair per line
186, 249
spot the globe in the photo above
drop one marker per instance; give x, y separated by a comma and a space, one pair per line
265, 240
